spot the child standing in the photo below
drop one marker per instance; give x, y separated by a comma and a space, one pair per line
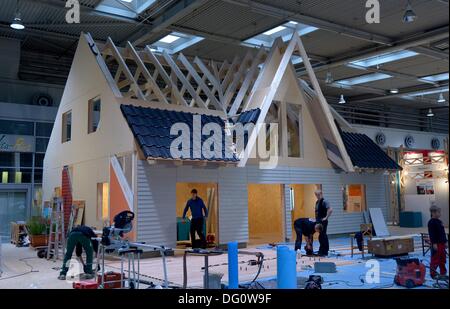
438, 240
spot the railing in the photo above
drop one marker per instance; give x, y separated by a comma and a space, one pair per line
393, 119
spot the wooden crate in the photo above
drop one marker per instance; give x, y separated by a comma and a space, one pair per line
15, 231
391, 246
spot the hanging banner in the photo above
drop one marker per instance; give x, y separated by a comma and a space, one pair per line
16, 143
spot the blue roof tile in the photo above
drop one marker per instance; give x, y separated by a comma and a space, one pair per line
364, 153
151, 128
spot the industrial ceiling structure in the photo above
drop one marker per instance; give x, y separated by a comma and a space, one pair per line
392, 73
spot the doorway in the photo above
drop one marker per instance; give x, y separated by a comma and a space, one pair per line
303, 202
265, 213
13, 207
208, 192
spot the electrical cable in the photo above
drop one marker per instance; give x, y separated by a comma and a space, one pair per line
25, 273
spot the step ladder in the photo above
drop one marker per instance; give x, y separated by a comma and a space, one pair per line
57, 236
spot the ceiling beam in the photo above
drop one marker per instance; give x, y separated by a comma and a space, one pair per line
431, 52
84, 9
180, 9
410, 91
412, 41
273, 11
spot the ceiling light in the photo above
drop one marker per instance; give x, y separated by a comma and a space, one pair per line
394, 91
169, 39
363, 79
430, 113
441, 98
342, 100
409, 16
274, 30
17, 22
127, 1
436, 78
329, 79
383, 58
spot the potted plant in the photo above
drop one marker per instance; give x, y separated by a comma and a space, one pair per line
37, 230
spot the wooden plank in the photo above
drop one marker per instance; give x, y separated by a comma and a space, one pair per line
231, 90
201, 84
144, 71
183, 79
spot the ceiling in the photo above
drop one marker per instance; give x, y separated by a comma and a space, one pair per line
48, 42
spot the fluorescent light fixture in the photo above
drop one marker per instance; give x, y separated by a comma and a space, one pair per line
436, 78
427, 92
127, 1
430, 113
175, 42
169, 39
394, 91
342, 100
384, 58
17, 22
441, 98
284, 31
274, 30
368, 78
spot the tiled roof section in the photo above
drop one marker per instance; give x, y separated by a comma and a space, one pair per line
249, 116
364, 153
151, 128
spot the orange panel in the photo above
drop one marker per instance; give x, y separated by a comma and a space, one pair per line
117, 201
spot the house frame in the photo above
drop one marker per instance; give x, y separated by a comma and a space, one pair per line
129, 80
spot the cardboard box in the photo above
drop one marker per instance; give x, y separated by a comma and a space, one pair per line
391, 246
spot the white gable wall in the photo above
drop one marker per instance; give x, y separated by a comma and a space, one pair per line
87, 154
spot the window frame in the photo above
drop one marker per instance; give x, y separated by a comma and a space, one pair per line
91, 104
64, 130
345, 198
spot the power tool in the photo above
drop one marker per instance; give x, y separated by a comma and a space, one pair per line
410, 272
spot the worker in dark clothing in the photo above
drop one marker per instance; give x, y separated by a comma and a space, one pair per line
306, 227
80, 237
323, 211
438, 240
199, 214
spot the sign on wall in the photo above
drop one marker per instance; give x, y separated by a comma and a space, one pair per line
16, 143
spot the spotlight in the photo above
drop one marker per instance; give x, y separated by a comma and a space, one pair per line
441, 98
409, 16
17, 23
430, 113
342, 100
394, 91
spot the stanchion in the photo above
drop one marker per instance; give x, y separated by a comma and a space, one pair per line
233, 275
286, 268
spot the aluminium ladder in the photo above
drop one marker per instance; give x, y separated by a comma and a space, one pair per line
57, 235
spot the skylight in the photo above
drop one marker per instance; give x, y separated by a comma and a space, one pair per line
168, 39
175, 42
363, 79
283, 31
436, 78
124, 8
384, 58
274, 30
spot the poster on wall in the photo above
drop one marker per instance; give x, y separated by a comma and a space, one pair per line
425, 187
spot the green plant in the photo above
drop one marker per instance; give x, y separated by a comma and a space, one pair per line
37, 226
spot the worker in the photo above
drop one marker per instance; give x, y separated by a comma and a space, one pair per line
306, 227
438, 240
199, 214
323, 212
80, 236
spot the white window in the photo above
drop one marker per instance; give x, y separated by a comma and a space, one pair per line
354, 197
66, 127
94, 114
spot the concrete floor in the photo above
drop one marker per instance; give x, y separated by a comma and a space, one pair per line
23, 269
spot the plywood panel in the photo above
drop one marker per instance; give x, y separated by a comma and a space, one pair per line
265, 212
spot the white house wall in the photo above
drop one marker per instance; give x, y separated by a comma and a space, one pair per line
157, 190
87, 154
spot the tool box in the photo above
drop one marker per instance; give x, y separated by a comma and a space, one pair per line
410, 272
112, 280
85, 285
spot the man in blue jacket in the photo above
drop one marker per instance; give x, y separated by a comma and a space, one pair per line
199, 214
